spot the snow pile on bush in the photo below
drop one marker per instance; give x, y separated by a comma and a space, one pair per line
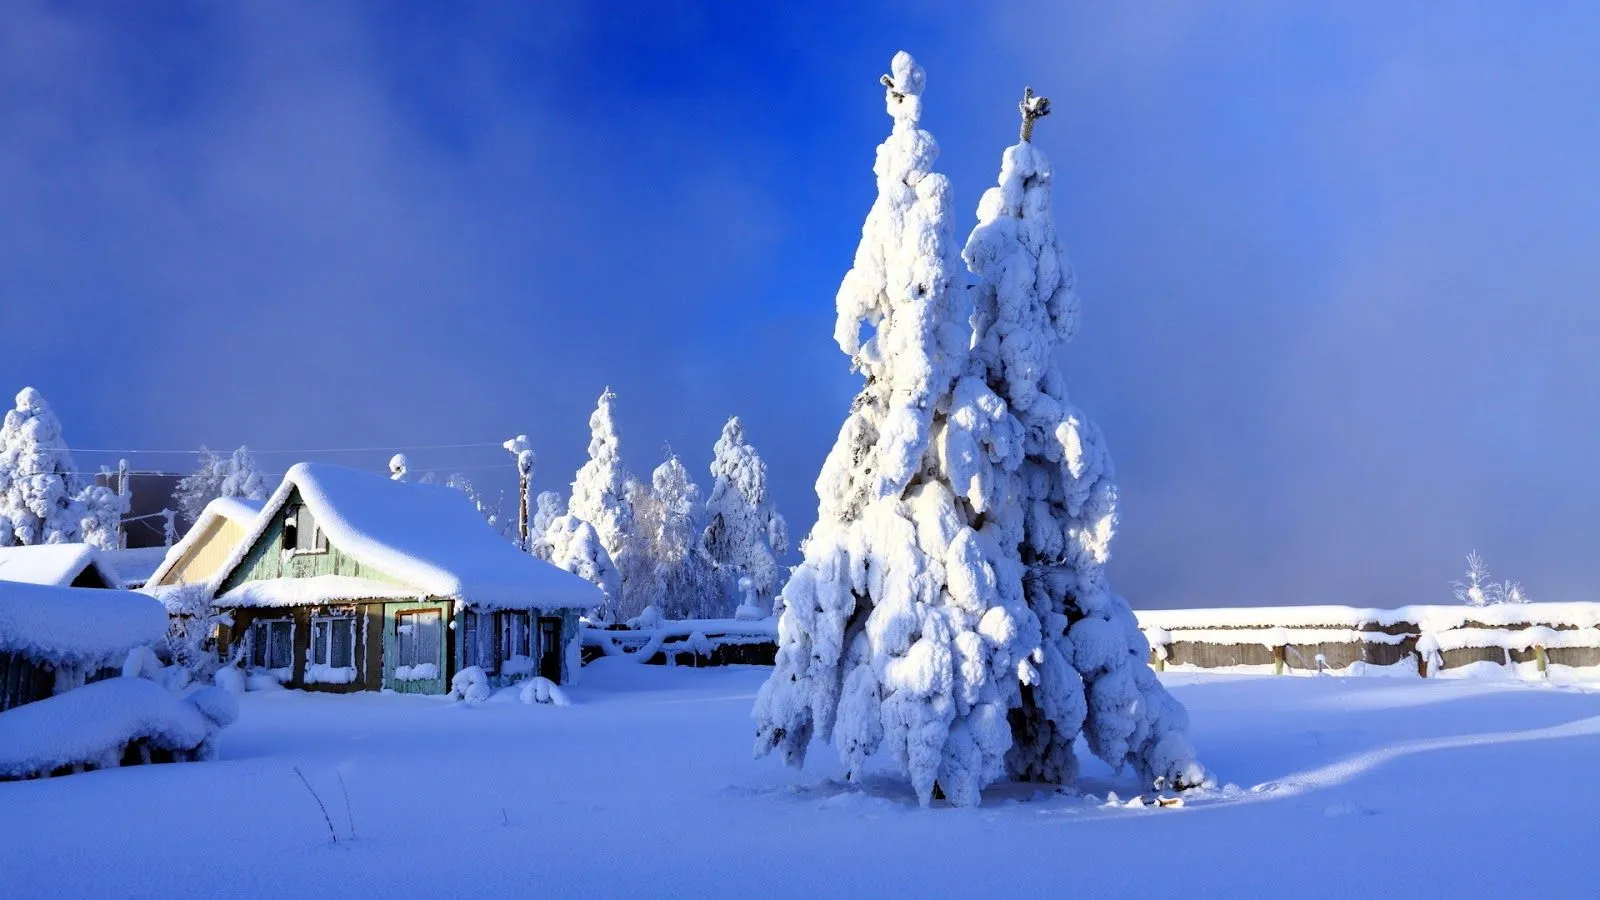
93, 726
543, 690
471, 685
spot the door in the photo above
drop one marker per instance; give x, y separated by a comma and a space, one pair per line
550, 649
416, 664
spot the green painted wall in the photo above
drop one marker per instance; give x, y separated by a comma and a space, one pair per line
391, 654
266, 560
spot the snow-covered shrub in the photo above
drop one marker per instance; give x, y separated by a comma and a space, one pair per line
542, 690
192, 622
1478, 590
471, 685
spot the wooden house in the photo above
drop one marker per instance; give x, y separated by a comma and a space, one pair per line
349, 580
66, 704
58, 565
207, 544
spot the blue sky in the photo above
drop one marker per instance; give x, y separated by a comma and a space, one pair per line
1337, 259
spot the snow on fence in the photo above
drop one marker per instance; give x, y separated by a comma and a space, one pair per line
1420, 639
691, 642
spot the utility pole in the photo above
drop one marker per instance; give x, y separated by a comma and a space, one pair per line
519, 448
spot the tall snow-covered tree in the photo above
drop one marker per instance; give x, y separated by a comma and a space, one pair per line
38, 485
547, 507
195, 490
600, 493
241, 478
744, 533
1093, 677
905, 627
575, 545
682, 566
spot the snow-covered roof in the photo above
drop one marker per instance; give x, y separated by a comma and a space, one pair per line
314, 590
76, 626
134, 565
427, 536
53, 564
237, 510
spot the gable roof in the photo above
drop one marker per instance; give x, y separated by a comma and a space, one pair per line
237, 510
428, 536
76, 626
57, 565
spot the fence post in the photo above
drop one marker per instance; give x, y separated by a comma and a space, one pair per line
1280, 655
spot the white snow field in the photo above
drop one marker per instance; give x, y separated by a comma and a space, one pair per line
645, 786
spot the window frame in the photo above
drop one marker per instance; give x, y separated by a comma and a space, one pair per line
323, 643
292, 533
261, 644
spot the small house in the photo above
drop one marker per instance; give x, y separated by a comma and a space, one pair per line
58, 565
348, 580
56, 638
207, 544
66, 704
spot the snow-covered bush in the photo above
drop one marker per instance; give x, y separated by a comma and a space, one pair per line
195, 490
470, 685
192, 623
744, 534
542, 690
1478, 590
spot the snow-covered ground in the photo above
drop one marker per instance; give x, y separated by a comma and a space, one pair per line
645, 787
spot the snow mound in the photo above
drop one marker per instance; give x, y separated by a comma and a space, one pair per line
76, 626
93, 725
543, 690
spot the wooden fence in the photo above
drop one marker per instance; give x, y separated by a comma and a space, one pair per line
1423, 639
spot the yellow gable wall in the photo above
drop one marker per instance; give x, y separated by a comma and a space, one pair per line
207, 555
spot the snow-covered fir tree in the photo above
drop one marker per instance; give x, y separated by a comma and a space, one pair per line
905, 627
38, 485
744, 533
1093, 675
241, 477
547, 507
600, 494
101, 509
682, 566
203, 485
575, 545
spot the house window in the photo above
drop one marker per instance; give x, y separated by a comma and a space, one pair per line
301, 534
516, 643
417, 642
478, 641
333, 641
272, 644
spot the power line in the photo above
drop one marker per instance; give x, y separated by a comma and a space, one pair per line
386, 449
